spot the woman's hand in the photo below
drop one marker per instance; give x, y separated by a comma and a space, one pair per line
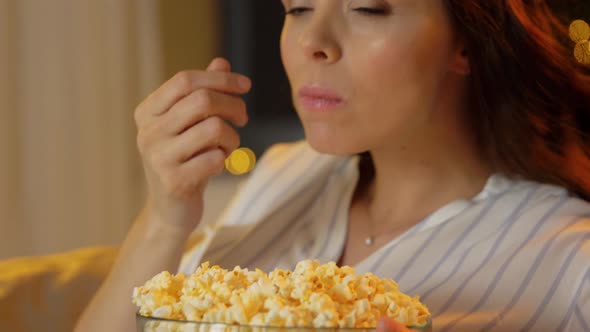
183, 139
387, 324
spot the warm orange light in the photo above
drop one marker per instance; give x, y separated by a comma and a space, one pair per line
579, 32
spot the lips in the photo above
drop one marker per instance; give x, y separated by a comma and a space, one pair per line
317, 98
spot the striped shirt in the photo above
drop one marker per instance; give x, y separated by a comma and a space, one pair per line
516, 257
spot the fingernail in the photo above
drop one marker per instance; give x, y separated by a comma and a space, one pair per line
244, 83
382, 325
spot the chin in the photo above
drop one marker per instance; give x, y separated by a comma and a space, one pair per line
333, 142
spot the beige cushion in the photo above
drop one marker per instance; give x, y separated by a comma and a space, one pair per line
48, 293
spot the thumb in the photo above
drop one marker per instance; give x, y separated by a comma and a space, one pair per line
219, 64
386, 324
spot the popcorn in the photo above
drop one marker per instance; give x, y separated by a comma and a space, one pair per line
312, 295
160, 296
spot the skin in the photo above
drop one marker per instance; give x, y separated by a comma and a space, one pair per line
386, 324
403, 77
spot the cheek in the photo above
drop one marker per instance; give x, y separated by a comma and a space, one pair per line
400, 71
397, 82
384, 70
384, 61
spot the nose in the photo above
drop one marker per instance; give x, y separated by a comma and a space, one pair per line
318, 41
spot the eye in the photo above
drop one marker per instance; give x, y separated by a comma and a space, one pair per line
371, 11
297, 11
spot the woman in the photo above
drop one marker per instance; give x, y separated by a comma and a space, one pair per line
445, 148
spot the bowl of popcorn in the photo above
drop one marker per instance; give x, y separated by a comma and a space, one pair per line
313, 297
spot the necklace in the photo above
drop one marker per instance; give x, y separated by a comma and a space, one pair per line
370, 239
372, 236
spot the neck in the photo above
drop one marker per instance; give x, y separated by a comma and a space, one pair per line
413, 181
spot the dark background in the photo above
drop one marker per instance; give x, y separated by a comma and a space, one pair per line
251, 34
572, 9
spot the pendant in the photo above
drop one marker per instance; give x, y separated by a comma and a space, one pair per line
369, 241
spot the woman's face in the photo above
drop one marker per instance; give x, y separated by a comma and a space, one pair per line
370, 71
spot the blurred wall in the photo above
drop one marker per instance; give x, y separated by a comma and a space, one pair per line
13, 231
190, 34
75, 70
72, 73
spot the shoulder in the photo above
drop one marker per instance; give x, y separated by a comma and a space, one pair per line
552, 208
541, 220
283, 172
555, 227
558, 250
541, 200
546, 206
541, 252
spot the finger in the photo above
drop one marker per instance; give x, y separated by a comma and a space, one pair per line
184, 83
386, 324
184, 180
201, 105
209, 134
219, 64
205, 165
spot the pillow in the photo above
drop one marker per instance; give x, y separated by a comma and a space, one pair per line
49, 293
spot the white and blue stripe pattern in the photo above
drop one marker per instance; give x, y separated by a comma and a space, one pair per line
514, 258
